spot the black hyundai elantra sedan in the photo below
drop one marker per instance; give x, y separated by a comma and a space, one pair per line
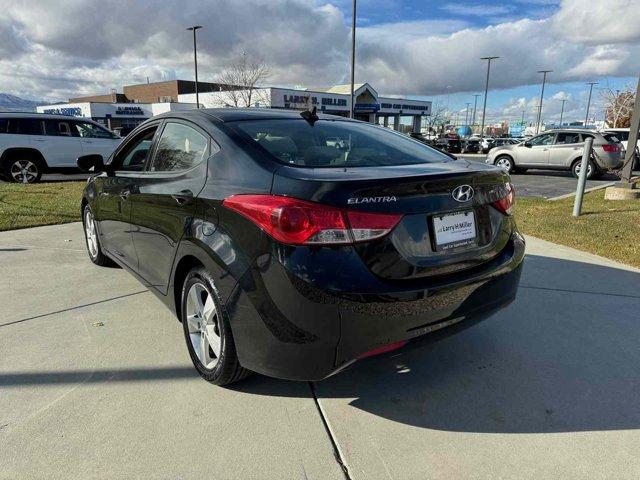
293, 244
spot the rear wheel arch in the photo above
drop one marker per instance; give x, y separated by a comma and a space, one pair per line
181, 270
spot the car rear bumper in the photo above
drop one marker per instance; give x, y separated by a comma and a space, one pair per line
286, 326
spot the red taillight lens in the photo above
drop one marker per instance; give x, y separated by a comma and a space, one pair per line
506, 204
299, 222
608, 147
383, 349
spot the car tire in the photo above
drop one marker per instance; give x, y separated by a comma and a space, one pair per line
592, 171
506, 162
207, 331
92, 240
22, 170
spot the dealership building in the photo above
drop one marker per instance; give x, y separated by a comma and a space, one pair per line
368, 105
140, 102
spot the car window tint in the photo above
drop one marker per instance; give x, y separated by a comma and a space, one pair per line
25, 126
611, 137
568, 137
180, 147
335, 143
90, 130
585, 136
546, 139
135, 153
4, 125
59, 128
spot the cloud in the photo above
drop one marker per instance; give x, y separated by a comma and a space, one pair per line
61, 48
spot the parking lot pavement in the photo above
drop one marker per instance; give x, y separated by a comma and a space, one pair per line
547, 388
95, 382
545, 183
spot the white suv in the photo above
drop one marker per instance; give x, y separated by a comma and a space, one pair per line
32, 144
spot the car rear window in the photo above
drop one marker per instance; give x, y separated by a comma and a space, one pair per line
611, 137
335, 143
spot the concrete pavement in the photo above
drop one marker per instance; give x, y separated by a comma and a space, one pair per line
95, 382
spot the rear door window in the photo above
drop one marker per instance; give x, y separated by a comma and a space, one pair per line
180, 147
567, 137
133, 156
59, 128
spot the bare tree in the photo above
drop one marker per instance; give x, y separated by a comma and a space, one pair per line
244, 77
438, 119
618, 106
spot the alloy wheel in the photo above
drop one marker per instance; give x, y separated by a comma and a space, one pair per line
589, 169
90, 231
204, 325
504, 162
24, 171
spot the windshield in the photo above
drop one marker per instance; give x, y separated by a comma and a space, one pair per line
336, 143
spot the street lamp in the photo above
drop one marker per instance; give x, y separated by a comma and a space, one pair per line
544, 80
353, 55
562, 112
195, 59
466, 116
586, 118
486, 90
475, 106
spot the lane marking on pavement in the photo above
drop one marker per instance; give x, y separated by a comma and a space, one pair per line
10, 245
73, 308
336, 448
579, 291
586, 190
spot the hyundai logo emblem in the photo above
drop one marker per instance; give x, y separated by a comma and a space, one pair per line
463, 193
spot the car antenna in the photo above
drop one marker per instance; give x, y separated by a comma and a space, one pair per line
310, 115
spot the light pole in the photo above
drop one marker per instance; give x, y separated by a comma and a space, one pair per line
466, 116
353, 55
195, 59
562, 111
475, 106
544, 80
486, 90
586, 118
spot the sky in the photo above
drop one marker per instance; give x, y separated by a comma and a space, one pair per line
56, 49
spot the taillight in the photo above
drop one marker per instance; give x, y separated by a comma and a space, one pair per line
298, 222
506, 203
608, 147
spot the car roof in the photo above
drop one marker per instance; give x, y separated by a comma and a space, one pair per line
41, 116
239, 114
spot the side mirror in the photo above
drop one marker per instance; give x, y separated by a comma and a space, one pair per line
527, 144
88, 162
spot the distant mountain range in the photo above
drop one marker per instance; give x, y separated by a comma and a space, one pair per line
12, 103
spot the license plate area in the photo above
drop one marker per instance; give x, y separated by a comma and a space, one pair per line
454, 230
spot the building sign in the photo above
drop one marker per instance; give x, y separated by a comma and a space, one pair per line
366, 107
69, 111
129, 111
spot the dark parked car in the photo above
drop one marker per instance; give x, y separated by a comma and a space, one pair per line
295, 246
471, 145
451, 145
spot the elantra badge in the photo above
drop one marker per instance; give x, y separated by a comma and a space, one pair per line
356, 201
462, 193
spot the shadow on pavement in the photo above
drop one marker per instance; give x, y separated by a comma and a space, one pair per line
564, 357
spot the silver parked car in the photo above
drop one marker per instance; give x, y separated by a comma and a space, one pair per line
559, 150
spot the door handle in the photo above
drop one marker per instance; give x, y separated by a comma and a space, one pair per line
40, 139
183, 197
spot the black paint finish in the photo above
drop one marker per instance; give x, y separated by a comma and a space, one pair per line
305, 312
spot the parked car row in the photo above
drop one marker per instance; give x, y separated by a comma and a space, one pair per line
33, 144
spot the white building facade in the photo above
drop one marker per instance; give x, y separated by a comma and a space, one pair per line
115, 115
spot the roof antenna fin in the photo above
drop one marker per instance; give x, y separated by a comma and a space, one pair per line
310, 115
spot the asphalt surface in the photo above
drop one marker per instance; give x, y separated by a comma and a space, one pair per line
546, 183
95, 382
